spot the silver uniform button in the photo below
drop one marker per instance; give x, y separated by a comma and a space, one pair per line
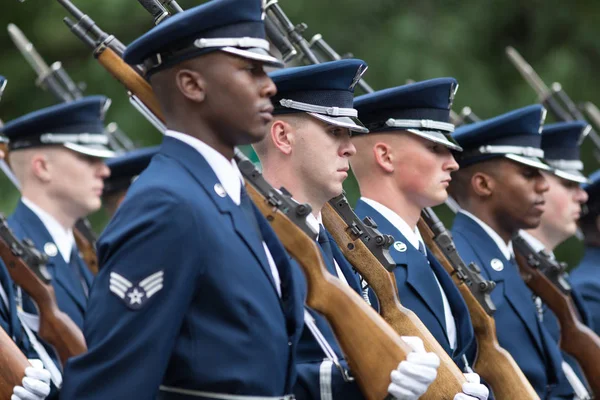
497, 265
400, 246
50, 249
219, 190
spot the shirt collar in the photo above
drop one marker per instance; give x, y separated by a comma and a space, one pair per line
226, 170
535, 243
63, 238
413, 236
505, 248
315, 222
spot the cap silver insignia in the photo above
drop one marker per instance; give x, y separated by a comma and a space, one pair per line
219, 190
497, 265
400, 246
359, 74
453, 90
50, 249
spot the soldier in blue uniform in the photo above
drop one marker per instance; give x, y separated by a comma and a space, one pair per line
307, 151
57, 154
564, 200
585, 279
196, 297
36, 383
402, 166
501, 191
124, 169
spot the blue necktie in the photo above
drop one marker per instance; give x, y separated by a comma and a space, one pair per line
323, 240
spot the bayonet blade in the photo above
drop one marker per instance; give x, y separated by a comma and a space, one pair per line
29, 52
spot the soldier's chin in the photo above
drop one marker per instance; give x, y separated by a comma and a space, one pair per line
531, 222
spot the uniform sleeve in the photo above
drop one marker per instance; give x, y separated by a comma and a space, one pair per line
138, 302
324, 381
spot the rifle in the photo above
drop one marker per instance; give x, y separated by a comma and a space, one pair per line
493, 363
108, 51
544, 277
371, 347
56, 80
283, 33
554, 99
27, 268
466, 116
367, 250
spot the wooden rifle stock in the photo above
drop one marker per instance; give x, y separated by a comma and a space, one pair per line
129, 78
371, 347
495, 365
56, 327
575, 338
404, 322
12, 365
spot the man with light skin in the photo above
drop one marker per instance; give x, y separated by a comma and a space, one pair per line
57, 154
564, 201
36, 380
307, 152
402, 166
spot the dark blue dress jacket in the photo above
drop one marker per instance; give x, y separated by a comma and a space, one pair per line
185, 299
70, 294
419, 292
518, 326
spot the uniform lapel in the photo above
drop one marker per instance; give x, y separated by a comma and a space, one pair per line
10, 309
33, 228
516, 293
199, 168
464, 327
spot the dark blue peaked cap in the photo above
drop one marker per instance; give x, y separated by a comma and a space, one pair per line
78, 125
422, 108
125, 168
560, 143
515, 135
233, 26
324, 91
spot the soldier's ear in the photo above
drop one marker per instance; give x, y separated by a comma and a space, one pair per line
482, 184
384, 156
40, 167
282, 135
191, 84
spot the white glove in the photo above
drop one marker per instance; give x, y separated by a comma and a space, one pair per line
36, 383
414, 375
473, 389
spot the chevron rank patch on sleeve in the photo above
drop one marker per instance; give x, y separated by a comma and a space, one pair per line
136, 295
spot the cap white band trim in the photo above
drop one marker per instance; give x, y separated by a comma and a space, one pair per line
83, 138
232, 42
518, 150
576, 165
420, 124
332, 111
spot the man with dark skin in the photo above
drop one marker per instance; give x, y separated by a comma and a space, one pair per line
196, 297
501, 190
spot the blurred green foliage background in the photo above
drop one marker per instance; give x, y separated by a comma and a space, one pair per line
399, 39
